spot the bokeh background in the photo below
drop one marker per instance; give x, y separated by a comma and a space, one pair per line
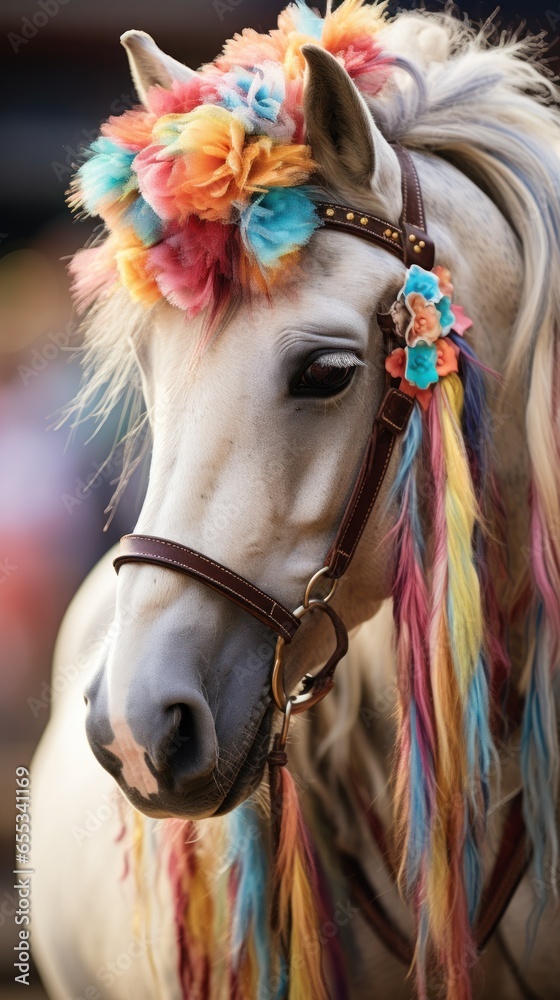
63, 73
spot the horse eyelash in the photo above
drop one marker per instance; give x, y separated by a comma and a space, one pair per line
340, 359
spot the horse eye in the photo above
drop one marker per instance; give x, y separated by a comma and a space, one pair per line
319, 378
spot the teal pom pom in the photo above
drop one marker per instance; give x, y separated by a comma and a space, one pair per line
260, 91
421, 364
278, 222
307, 21
106, 174
446, 314
146, 224
423, 282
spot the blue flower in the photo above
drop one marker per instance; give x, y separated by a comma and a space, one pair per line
446, 314
146, 224
424, 282
260, 92
105, 174
278, 222
421, 364
307, 21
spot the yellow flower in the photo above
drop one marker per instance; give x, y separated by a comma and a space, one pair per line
131, 264
203, 164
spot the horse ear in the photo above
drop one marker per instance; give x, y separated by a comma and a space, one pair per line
344, 138
149, 65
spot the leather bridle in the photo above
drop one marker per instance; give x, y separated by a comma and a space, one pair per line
409, 242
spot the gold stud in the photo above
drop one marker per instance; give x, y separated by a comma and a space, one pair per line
412, 238
395, 236
350, 216
417, 249
421, 244
330, 211
387, 232
364, 220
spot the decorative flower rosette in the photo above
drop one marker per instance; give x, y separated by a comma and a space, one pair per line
206, 188
424, 315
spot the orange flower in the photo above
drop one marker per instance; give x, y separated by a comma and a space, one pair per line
203, 164
132, 269
268, 165
426, 325
251, 48
447, 355
349, 21
133, 129
443, 274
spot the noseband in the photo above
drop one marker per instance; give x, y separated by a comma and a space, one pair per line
409, 242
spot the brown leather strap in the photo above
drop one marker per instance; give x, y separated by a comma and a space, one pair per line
390, 421
509, 867
377, 916
368, 227
408, 241
162, 552
418, 247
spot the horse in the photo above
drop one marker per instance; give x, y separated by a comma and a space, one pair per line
256, 445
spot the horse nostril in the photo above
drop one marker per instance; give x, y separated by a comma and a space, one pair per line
182, 746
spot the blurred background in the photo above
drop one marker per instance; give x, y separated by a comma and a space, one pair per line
65, 72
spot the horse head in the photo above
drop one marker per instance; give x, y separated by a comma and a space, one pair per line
256, 443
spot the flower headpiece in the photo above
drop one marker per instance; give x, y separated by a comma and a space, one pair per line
423, 315
208, 185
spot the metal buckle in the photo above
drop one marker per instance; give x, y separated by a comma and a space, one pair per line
299, 702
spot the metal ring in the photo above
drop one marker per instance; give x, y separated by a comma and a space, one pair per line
285, 724
277, 684
316, 576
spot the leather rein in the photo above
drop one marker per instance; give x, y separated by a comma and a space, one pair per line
409, 241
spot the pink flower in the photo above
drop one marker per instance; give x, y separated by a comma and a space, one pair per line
155, 174
183, 96
195, 263
462, 321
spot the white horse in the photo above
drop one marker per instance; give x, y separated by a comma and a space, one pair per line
258, 479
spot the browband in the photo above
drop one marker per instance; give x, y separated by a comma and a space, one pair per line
408, 241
